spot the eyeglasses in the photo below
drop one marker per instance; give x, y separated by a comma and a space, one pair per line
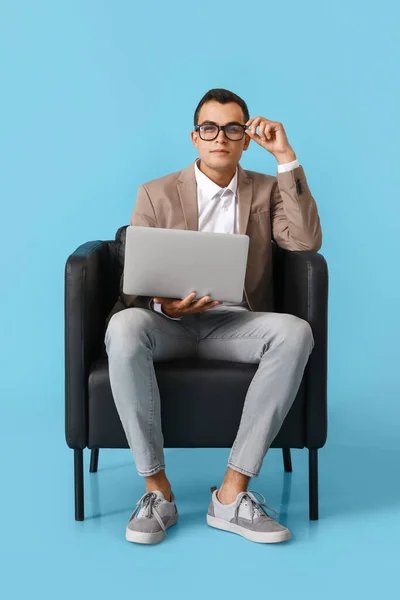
233, 131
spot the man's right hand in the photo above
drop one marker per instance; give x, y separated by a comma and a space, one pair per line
175, 307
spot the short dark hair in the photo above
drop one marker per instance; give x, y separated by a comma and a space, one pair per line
222, 96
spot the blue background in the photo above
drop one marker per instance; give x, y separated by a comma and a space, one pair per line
98, 97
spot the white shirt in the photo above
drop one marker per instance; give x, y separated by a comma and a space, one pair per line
218, 209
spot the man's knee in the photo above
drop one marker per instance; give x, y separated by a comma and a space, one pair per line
296, 333
126, 327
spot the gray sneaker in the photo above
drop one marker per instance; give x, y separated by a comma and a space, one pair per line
247, 517
148, 524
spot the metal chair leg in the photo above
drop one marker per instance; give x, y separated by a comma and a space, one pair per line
313, 483
79, 490
94, 460
287, 460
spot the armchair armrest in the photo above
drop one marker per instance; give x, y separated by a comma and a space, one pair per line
302, 290
86, 275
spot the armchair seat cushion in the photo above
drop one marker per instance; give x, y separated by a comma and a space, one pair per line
201, 405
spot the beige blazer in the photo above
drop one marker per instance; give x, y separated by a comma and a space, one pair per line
279, 208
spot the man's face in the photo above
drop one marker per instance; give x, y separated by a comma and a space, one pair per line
220, 114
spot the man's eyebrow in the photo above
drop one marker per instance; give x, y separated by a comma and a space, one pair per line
214, 123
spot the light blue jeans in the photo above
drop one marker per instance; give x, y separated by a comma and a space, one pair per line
136, 338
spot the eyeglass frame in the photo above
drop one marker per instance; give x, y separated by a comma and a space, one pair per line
222, 128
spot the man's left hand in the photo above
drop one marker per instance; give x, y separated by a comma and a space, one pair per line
272, 137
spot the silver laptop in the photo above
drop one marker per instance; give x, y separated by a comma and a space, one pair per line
173, 263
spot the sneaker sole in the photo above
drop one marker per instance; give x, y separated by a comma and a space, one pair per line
254, 536
141, 537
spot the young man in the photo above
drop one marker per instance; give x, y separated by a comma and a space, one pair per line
214, 193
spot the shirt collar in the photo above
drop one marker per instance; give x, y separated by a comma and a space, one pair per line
208, 187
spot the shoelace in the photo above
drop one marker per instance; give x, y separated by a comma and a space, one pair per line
149, 501
258, 507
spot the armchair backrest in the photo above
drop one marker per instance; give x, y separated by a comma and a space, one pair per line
114, 267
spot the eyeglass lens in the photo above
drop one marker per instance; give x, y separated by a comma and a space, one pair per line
209, 132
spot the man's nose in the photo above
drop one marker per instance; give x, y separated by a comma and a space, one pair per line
221, 136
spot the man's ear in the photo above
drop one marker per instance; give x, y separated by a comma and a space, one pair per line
246, 142
194, 136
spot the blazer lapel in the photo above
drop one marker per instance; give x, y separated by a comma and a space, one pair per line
187, 192
245, 196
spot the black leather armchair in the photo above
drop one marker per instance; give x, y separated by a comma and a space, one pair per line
92, 275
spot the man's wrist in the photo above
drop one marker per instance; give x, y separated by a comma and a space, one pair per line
286, 157
164, 311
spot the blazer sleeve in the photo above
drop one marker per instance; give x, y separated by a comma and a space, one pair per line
294, 215
143, 215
